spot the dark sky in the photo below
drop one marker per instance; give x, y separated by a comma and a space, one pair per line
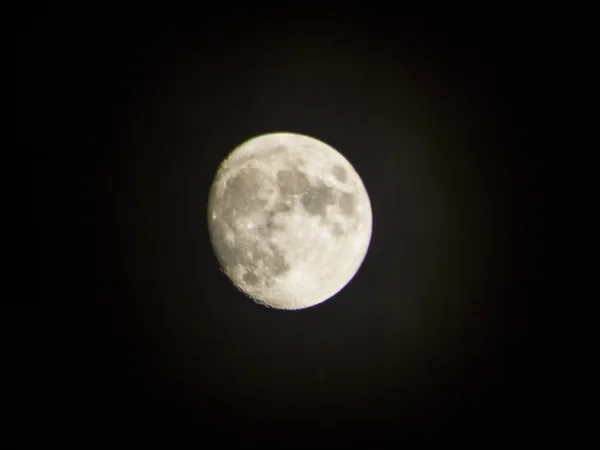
449, 329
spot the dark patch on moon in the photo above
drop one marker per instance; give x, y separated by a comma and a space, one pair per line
247, 178
292, 181
337, 230
251, 278
269, 226
316, 199
280, 207
340, 173
276, 263
347, 203
241, 195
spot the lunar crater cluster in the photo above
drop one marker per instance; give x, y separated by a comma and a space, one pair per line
289, 219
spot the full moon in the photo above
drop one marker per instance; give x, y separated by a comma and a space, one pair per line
289, 219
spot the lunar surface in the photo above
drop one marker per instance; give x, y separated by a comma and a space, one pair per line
289, 219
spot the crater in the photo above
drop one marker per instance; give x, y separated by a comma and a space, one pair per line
316, 199
292, 181
347, 203
340, 173
251, 278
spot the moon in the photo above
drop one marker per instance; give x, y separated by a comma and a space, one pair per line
289, 219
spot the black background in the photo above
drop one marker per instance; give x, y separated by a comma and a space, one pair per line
448, 331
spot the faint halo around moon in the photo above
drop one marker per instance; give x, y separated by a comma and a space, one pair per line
289, 219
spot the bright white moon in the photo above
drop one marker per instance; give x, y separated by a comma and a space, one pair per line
289, 219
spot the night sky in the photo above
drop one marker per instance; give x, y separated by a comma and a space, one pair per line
447, 333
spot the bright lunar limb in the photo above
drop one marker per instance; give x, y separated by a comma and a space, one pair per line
289, 219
